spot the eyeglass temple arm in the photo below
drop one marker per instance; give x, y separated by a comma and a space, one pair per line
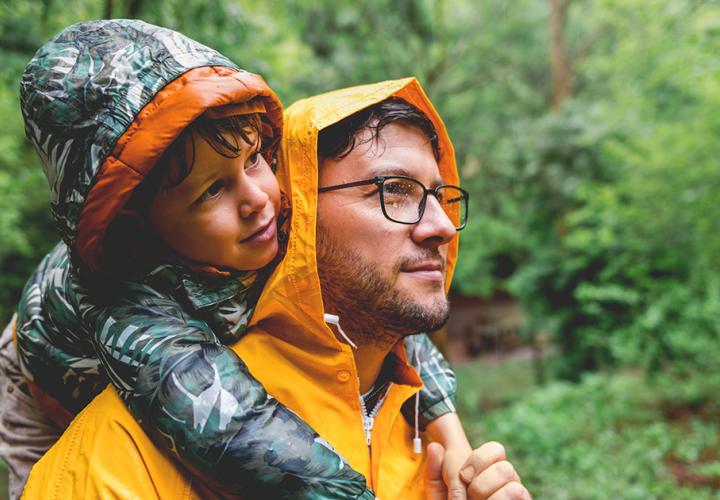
348, 185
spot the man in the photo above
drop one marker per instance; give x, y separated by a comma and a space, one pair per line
385, 230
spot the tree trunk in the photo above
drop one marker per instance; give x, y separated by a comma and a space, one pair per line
559, 60
134, 8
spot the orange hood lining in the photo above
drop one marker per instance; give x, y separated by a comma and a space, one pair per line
154, 129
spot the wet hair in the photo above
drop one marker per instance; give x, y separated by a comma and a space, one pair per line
223, 135
340, 139
130, 242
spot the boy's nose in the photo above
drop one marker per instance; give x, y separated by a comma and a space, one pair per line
252, 199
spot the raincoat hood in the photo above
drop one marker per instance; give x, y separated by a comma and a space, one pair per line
103, 100
293, 291
291, 349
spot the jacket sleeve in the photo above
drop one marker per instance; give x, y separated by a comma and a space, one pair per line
196, 398
437, 397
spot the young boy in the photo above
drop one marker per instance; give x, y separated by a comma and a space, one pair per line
157, 152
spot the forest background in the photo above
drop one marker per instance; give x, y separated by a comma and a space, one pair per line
587, 134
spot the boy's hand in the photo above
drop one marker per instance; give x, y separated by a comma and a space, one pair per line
453, 460
448, 431
485, 474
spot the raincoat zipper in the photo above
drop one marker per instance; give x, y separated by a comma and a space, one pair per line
368, 418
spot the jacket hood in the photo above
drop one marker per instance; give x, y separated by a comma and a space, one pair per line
103, 100
292, 295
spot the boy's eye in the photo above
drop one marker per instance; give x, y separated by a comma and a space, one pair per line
211, 192
253, 160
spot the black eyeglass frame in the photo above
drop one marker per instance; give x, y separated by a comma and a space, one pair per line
380, 180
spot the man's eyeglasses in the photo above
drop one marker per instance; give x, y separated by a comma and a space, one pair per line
403, 199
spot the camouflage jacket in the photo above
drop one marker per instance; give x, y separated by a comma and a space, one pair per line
159, 338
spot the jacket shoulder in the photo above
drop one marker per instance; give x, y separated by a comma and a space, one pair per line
105, 454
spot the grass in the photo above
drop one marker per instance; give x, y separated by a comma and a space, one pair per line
621, 435
487, 385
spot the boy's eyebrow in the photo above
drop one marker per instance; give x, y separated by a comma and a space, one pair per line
193, 183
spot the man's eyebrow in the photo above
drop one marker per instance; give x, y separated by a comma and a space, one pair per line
398, 170
390, 170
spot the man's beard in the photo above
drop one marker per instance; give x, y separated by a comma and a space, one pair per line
368, 304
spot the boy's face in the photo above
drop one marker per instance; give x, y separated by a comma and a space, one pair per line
224, 213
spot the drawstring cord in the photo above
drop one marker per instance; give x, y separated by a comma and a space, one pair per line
417, 442
331, 319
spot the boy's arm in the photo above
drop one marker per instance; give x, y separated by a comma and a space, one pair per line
197, 399
437, 397
448, 431
437, 408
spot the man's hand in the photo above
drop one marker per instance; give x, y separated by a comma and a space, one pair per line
486, 475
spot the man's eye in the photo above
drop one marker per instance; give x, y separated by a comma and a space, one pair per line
211, 192
253, 160
396, 188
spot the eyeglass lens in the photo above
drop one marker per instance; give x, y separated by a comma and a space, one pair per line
402, 200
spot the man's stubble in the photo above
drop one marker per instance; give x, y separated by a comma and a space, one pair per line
369, 306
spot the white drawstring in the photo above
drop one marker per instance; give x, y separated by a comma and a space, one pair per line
417, 442
331, 319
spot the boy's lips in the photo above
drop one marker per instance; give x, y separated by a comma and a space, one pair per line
263, 234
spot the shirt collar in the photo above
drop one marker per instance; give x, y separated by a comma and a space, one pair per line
205, 290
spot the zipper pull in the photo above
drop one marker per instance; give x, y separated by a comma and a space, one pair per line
369, 421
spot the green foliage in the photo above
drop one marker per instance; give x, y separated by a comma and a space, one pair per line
620, 436
599, 216
3, 480
602, 216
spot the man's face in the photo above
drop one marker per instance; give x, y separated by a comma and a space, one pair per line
380, 275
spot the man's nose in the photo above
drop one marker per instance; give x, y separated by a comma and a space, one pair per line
252, 198
435, 228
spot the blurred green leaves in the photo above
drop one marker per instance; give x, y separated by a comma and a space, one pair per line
600, 217
620, 436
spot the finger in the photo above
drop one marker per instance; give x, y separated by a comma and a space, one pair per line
493, 479
480, 459
511, 491
435, 485
452, 463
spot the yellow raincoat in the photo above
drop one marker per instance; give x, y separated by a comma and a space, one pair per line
289, 348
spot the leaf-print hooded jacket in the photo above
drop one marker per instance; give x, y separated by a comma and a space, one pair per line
102, 102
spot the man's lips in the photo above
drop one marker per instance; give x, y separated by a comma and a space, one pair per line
426, 269
263, 234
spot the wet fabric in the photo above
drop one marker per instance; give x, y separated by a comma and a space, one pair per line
288, 347
26, 432
102, 102
159, 338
